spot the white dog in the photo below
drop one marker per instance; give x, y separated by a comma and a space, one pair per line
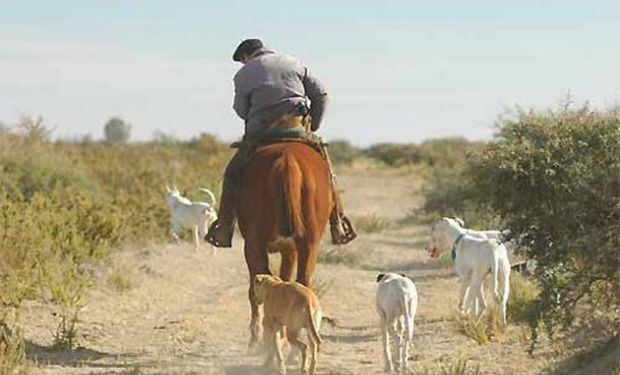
397, 301
187, 214
474, 258
493, 234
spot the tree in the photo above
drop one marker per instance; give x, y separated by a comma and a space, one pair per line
116, 130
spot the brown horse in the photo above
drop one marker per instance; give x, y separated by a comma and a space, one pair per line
284, 204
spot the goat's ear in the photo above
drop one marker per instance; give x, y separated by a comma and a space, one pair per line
380, 277
167, 189
459, 221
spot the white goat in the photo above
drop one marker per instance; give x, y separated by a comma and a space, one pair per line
187, 214
397, 301
474, 258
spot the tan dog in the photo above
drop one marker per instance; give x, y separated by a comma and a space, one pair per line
290, 305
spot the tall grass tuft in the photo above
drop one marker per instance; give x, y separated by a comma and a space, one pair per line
371, 223
12, 349
459, 366
473, 328
521, 308
120, 279
522, 300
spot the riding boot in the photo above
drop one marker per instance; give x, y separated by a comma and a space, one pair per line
340, 226
221, 230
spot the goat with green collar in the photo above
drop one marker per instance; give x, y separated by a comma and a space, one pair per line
474, 259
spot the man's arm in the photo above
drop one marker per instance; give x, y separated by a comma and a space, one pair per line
317, 93
241, 103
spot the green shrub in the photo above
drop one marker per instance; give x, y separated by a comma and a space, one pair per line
444, 153
394, 155
343, 152
554, 178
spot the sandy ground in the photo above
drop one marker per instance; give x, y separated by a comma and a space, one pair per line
188, 311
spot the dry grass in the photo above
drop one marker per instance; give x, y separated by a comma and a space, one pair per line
190, 330
65, 337
12, 351
490, 326
473, 328
321, 286
371, 223
120, 279
350, 255
523, 294
460, 367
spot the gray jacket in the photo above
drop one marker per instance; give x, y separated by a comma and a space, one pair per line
271, 84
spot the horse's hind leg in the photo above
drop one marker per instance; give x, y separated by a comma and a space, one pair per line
307, 253
258, 263
289, 262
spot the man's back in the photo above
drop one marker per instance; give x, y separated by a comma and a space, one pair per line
271, 84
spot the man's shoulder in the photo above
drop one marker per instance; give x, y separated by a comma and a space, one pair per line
263, 65
278, 60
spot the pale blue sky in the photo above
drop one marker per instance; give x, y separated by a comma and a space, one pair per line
397, 70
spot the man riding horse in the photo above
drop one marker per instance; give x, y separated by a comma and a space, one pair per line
271, 94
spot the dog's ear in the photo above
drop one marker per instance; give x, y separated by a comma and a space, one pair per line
380, 277
459, 221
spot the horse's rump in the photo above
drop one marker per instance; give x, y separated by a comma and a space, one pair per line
285, 193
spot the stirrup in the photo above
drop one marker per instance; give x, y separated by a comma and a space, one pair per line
216, 231
342, 231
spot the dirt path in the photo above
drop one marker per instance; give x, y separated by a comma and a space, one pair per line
188, 311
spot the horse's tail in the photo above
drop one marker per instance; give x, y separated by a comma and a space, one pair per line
290, 181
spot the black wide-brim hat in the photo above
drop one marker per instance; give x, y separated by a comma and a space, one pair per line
247, 46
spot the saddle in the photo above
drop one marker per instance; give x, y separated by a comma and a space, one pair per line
288, 128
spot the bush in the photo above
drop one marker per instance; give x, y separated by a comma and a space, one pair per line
554, 177
395, 155
343, 152
446, 153
442, 153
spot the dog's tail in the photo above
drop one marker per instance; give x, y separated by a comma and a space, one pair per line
210, 194
313, 329
409, 309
